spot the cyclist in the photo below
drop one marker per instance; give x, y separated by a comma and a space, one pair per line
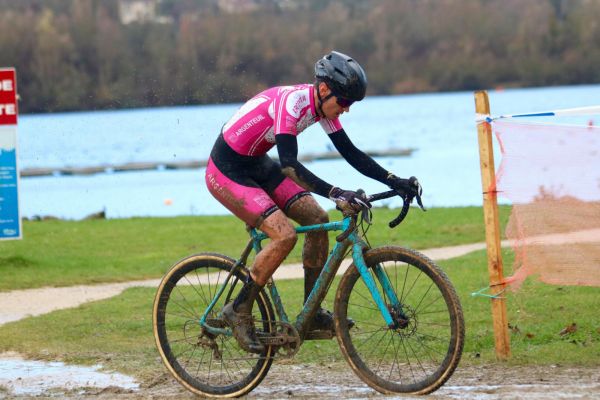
264, 193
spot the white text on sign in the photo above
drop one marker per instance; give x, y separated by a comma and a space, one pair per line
7, 109
6, 85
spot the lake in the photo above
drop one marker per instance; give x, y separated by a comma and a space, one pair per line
439, 126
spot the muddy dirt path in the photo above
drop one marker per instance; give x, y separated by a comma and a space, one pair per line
289, 381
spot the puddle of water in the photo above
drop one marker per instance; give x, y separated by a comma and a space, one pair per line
25, 377
530, 391
332, 389
475, 392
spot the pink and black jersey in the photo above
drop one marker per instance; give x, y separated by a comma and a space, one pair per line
247, 181
282, 109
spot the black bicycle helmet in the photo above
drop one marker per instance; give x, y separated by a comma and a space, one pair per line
344, 76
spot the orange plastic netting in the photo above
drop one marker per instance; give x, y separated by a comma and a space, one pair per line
551, 175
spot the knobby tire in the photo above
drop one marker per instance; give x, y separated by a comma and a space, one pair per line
418, 358
182, 297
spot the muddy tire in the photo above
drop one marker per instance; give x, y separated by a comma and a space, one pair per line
417, 358
206, 364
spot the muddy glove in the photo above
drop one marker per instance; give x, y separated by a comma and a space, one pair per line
348, 201
406, 187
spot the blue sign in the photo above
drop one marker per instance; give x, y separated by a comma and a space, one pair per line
10, 220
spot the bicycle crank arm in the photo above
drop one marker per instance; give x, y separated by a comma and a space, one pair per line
285, 339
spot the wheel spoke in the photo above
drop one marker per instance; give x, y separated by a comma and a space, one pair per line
434, 312
361, 322
423, 297
205, 299
369, 299
408, 359
376, 346
384, 352
420, 307
361, 306
404, 284
373, 333
186, 317
193, 286
200, 364
189, 309
431, 337
429, 349
417, 358
395, 361
413, 284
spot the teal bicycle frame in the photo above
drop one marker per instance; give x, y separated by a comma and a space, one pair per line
325, 279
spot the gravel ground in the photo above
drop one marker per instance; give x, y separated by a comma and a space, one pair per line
289, 381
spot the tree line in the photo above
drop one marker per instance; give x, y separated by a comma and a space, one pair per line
78, 54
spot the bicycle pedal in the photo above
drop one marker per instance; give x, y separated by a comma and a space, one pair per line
319, 335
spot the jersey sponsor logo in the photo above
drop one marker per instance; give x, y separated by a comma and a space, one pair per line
217, 187
249, 124
299, 104
263, 200
270, 136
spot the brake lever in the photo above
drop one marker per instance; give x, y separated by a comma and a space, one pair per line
366, 215
420, 202
365, 211
419, 191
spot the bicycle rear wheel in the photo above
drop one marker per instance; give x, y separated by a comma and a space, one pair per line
204, 363
417, 358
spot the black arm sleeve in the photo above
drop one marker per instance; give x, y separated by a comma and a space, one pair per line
355, 157
287, 146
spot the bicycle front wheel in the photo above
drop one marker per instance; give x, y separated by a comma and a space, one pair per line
205, 363
423, 350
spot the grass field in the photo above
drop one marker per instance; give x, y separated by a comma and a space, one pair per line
62, 253
118, 332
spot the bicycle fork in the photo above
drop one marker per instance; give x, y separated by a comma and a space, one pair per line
398, 319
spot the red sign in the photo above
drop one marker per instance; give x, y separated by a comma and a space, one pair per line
8, 96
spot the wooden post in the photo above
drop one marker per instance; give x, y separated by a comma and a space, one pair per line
492, 227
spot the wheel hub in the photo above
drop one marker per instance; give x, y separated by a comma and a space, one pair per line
404, 319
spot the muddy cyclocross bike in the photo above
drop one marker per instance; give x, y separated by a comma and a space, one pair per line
405, 335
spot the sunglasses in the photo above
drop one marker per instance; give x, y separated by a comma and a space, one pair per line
342, 102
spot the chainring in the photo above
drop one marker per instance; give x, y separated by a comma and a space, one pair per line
285, 339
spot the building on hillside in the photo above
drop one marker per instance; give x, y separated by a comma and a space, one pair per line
141, 11
238, 6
